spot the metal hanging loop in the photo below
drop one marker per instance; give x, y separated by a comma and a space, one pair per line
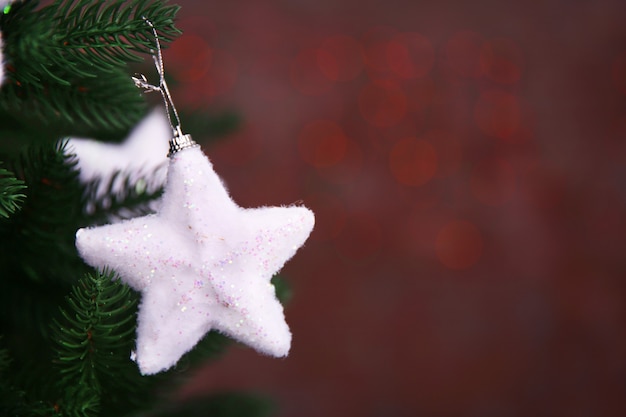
180, 140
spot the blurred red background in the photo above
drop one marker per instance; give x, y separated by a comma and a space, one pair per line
466, 162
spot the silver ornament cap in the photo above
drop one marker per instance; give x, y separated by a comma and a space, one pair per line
180, 142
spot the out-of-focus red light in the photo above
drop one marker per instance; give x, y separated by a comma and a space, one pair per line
448, 149
502, 60
420, 92
189, 58
375, 47
459, 245
306, 75
340, 58
497, 113
408, 127
493, 181
543, 188
413, 161
410, 55
463, 51
222, 74
382, 103
346, 170
422, 226
270, 70
322, 143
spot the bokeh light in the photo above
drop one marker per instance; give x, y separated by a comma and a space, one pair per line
340, 58
222, 74
459, 245
502, 60
420, 92
348, 169
410, 55
322, 143
408, 127
422, 226
449, 151
306, 75
543, 188
463, 51
493, 181
382, 103
270, 70
413, 161
497, 113
375, 47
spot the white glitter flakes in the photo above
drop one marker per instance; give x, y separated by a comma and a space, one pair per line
201, 263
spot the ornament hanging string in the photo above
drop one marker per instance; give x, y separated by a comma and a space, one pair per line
180, 140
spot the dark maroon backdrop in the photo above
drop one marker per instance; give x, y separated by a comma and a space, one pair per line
467, 165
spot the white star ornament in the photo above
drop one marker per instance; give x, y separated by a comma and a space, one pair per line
201, 263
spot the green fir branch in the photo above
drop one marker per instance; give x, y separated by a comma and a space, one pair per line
111, 33
120, 199
11, 196
93, 341
80, 39
109, 102
5, 360
38, 241
38, 258
13, 399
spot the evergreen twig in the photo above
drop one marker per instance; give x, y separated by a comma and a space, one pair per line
119, 199
93, 342
40, 237
81, 37
66, 62
11, 196
109, 102
111, 33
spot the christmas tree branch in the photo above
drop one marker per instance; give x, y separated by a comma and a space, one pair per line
122, 198
70, 39
109, 102
11, 196
40, 237
66, 62
114, 31
13, 399
93, 342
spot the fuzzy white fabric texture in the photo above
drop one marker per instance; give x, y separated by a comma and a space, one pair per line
142, 155
201, 263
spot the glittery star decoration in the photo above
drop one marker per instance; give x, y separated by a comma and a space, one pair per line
201, 263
